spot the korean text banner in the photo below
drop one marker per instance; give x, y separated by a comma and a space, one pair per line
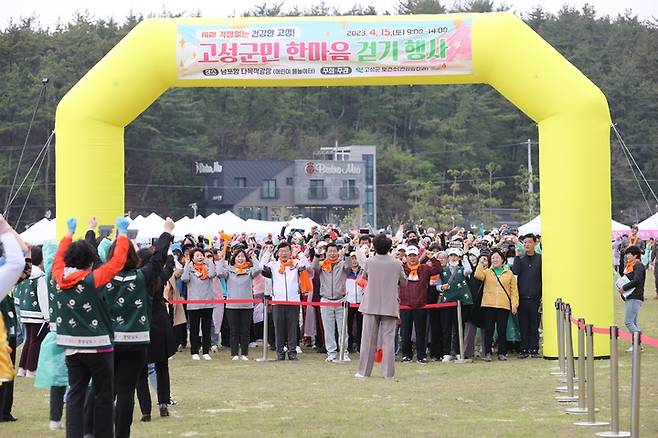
302, 50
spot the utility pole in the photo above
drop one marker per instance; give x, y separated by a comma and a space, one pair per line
531, 187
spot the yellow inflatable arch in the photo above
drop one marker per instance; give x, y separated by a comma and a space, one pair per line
496, 48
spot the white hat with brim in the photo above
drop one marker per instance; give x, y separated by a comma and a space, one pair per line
412, 250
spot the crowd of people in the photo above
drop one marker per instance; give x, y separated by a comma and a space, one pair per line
98, 318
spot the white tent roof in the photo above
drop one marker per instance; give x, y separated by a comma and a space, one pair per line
534, 226
40, 232
649, 224
619, 227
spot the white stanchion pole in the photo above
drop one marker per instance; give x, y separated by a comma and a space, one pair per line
460, 334
266, 318
559, 309
635, 385
614, 431
591, 393
342, 338
570, 397
582, 382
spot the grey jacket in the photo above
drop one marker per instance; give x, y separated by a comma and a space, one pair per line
198, 289
332, 284
238, 287
385, 275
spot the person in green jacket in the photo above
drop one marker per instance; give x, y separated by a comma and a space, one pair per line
453, 286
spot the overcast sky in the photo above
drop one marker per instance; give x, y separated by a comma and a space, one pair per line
49, 11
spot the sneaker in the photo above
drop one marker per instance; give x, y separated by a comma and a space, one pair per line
330, 358
446, 358
406, 359
243, 357
179, 348
164, 410
195, 357
280, 357
145, 418
235, 358
423, 360
535, 355
522, 355
628, 350
502, 357
346, 358
253, 345
298, 349
20, 372
207, 357
487, 358
57, 425
359, 376
30, 374
292, 357
172, 402
214, 348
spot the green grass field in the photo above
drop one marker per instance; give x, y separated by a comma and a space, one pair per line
311, 397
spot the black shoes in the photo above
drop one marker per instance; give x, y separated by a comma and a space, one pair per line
292, 356
164, 411
523, 355
8, 418
146, 418
535, 355
406, 359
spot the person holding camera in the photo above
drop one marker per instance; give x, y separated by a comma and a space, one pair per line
500, 296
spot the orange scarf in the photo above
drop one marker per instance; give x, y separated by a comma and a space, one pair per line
201, 269
328, 265
284, 265
629, 265
413, 271
242, 268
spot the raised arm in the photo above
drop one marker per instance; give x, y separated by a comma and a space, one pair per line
479, 272
107, 271
155, 264
14, 260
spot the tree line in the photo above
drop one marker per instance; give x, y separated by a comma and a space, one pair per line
453, 162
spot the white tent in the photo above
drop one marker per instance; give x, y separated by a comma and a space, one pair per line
262, 228
226, 222
619, 228
40, 232
649, 227
534, 226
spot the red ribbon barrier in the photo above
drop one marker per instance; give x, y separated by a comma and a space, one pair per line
304, 303
647, 340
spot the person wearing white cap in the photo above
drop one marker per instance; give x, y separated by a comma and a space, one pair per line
414, 295
453, 286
